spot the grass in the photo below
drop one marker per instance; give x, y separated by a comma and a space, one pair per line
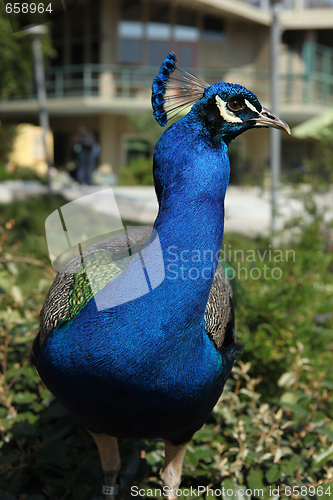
273, 427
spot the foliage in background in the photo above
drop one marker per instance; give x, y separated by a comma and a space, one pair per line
253, 444
318, 172
273, 313
16, 59
8, 133
146, 126
138, 173
273, 426
20, 173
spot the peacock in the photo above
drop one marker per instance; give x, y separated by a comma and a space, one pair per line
141, 346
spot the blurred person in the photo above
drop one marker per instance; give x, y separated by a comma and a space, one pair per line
86, 151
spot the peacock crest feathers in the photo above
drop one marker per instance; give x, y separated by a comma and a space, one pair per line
173, 90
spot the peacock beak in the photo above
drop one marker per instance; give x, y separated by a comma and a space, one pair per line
268, 119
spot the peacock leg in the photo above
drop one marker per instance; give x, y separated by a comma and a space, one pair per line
173, 466
108, 452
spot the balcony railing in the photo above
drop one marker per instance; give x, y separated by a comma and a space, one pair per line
293, 4
312, 85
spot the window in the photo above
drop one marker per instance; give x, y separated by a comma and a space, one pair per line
76, 35
77, 22
130, 32
186, 55
59, 59
95, 52
186, 29
130, 51
58, 28
213, 29
77, 54
158, 32
131, 10
149, 29
186, 37
95, 18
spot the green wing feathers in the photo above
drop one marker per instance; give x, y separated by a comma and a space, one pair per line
83, 276
71, 291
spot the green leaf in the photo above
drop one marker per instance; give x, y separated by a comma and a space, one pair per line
205, 433
254, 479
326, 431
273, 474
320, 459
327, 384
24, 428
297, 462
232, 490
289, 397
204, 453
319, 417
327, 491
309, 440
297, 409
153, 457
288, 468
191, 459
24, 397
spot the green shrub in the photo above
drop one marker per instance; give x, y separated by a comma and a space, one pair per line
138, 173
253, 444
8, 134
272, 428
20, 173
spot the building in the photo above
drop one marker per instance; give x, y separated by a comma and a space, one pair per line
109, 52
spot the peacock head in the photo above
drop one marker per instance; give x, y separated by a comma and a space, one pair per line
225, 110
228, 109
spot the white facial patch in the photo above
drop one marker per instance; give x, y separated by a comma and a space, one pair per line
250, 106
226, 114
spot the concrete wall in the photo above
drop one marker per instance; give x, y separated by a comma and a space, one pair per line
28, 148
241, 53
257, 147
235, 51
110, 13
112, 129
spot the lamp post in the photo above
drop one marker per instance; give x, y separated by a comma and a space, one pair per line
275, 134
35, 33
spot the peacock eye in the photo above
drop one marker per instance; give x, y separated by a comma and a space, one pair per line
235, 105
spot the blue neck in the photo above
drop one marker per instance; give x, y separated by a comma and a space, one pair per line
191, 179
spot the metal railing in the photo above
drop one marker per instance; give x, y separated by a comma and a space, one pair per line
314, 84
292, 4
318, 4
